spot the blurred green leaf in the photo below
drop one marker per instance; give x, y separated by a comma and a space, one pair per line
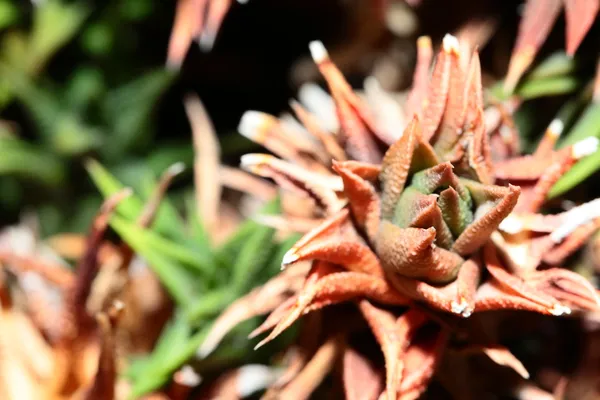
85, 87
277, 258
14, 50
63, 130
577, 174
54, 23
131, 207
98, 38
179, 281
553, 76
128, 111
555, 65
12, 193
587, 125
228, 251
253, 256
82, 213
548, 87
176, 252
22, 159
166, 209
168, 154
210, 304
41, 104
158, 370
108, 185
135, 9
8, 13
71, 136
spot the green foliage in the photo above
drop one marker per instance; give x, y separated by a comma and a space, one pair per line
558, 75
21, 158
588, 125
97, 111
554, 76
201, 278
8, 13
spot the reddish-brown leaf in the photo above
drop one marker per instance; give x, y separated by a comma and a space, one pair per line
538, 18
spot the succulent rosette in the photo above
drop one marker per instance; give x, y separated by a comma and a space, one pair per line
416, 223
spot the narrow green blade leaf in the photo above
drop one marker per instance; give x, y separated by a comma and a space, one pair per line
54, 23
210, 304
587, 125
24, 160
167, 248
128, 111
580, 172
178, 281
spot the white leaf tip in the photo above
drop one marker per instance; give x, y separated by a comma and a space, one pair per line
556, 128
450, 44
585, 147
289, 258
177, 168
559, 309
187, 376
318, 51
251, 123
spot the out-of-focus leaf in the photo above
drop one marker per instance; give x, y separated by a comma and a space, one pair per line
228, 251
559, 85
254, 256
12, 193
166, 209
8, 13
131, 207
42, 106
14, 49
107, 184
85, 86
135, 9
173, 336
587, 125
63, 130
168, 154
98, 39
210, 304
178, 280
55, 22
551, 77
131, 172
245, 251
174, 348
71, 136
128, 111
82, 213
567, 114
25, 160
580, 172
169, 249
555, 65
50, 219
275, 263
